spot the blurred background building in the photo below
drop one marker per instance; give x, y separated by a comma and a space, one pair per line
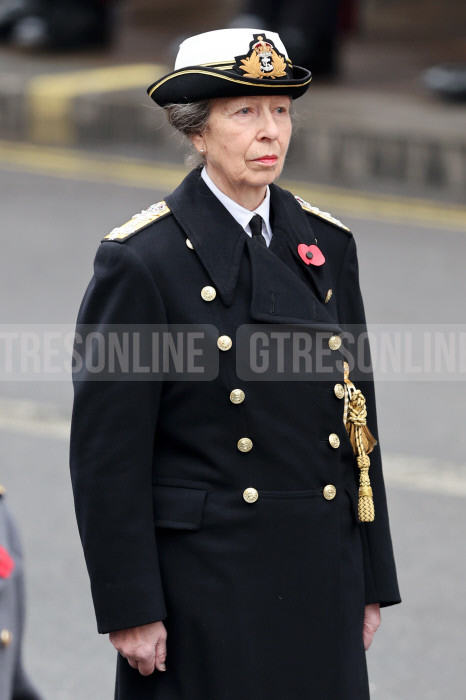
372, 113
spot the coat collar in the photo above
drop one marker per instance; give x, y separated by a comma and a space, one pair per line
284, 290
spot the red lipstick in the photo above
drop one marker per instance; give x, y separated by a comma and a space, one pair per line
267, 160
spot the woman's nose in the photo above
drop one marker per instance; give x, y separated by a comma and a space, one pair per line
268, 128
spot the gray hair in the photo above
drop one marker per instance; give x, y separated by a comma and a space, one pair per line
189, 120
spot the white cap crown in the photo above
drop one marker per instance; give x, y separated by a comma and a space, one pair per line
220, 45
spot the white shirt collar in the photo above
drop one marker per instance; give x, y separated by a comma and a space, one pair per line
240, 214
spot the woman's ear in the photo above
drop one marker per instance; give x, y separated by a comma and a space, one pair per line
198, 143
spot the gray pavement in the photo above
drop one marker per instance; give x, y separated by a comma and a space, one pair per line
411, 273
65, 656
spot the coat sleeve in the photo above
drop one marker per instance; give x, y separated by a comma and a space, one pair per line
380, 572
111, 450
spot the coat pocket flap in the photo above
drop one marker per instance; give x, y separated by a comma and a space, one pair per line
178, 508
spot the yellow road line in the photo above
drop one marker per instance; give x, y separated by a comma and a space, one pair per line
89, 167
129, 172
50, 97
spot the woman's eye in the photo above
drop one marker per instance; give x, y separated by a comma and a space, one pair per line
245, 110
281, 110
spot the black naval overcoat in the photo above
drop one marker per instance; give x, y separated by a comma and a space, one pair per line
261, 599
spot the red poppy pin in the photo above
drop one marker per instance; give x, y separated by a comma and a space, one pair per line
7, 564
311, 254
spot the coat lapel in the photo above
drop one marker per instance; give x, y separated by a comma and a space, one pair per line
285, 289
281, 291
279, 295
293, 226
217, 237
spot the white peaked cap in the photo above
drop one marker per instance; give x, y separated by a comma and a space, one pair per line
219, 46
229, 63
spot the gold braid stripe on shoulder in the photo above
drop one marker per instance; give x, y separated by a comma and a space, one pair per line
321, 214
138, 222
363, 442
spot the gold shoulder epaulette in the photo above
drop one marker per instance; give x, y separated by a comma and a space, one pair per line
322, 214
138, 222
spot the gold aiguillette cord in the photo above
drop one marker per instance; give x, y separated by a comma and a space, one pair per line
363, 442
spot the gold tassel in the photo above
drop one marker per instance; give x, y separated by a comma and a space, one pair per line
363, 442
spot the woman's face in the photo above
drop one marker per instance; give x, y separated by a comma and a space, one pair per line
246, 143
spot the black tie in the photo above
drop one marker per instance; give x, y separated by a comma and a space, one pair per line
256, 229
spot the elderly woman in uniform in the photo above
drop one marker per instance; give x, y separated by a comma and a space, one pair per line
229, 550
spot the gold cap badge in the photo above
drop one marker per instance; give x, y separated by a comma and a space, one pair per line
262, 61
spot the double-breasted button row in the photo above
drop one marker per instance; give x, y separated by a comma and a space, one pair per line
208, 293
339, 391
334, 342
6, 638
244, 444
224, 342
334, 440
329, 492
251, 494
237, 396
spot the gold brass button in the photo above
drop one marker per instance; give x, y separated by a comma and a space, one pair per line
250, 495
244, 444
224, 342
237, 396
334, 440
6, 638
208, 293
329, 296
339, 391
334, 342
189, 244
330, 492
